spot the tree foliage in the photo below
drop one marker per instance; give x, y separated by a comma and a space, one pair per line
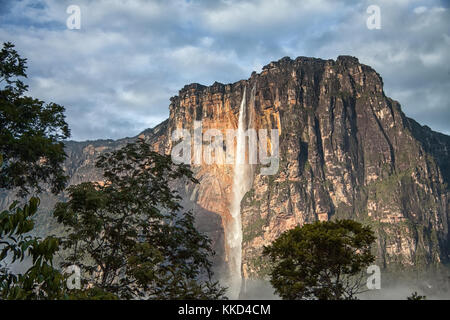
31, 154
41, 280
322, 260
31, 132
128, 233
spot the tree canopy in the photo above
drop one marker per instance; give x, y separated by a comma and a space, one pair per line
322, 260
31, 155
31, 132
41, 280
129, 234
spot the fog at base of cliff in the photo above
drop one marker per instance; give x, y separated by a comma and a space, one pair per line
393, 287
400, 285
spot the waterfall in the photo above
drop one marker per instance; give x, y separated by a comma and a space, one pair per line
241, 184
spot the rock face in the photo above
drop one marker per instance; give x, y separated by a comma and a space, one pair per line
346, 151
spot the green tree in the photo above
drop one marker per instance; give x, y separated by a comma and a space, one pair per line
129, 235
322, 260
31, 155
31, 132
41, 280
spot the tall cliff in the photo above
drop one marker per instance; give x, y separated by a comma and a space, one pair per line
346, 151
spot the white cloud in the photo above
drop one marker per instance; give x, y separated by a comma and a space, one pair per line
420, 10
116, 74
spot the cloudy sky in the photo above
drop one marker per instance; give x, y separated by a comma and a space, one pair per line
115, 74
